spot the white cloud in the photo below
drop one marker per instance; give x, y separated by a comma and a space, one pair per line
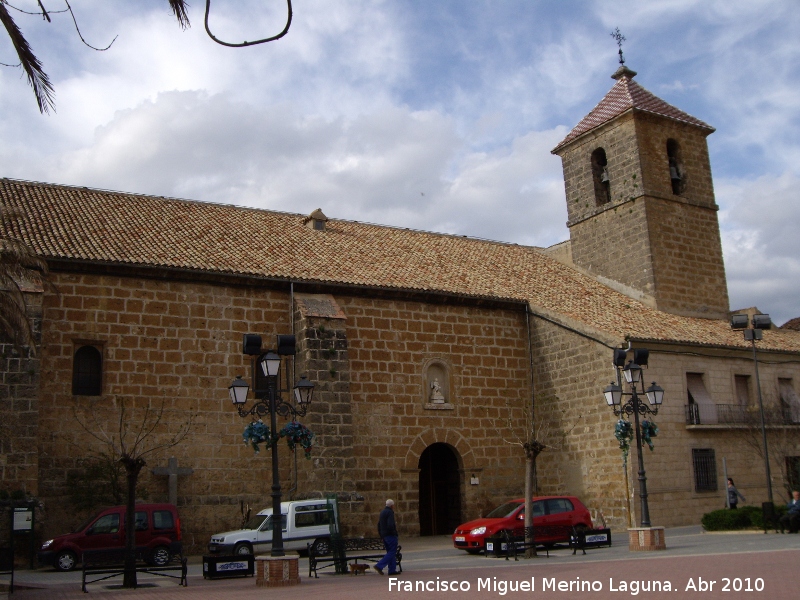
761, 245
436, 116
393, 166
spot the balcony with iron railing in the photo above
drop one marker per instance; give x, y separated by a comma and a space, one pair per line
738, 415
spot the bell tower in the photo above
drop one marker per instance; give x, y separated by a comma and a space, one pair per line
640, 200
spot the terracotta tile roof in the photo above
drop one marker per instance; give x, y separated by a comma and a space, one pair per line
627, 95
793, 324
110, 227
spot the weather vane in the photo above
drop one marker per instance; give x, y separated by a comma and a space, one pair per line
617, 35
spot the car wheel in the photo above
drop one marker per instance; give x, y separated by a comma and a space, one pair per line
66, 560
242, 549
160, 556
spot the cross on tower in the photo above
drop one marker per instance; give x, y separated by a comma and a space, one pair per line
617, 35
172, 471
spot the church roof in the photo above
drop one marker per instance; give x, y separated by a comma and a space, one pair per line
96, 226
623, 96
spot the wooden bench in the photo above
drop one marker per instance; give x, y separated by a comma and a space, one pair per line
7, 566
105, 564
333, 553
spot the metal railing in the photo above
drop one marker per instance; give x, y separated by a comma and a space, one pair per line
736, 414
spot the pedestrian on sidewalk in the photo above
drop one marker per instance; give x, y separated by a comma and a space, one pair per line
733, 495
791, 519
387, 530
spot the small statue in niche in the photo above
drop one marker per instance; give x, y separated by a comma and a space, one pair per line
436, 392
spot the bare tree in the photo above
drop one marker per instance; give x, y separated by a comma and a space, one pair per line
781, 440
538, 436
39, 81
136, 432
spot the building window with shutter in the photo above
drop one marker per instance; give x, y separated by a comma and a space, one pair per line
701, 408
705, 470
790, 403
87, 372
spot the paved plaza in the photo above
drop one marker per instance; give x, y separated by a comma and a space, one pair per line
695, 565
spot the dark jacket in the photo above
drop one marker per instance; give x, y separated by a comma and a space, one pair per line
386, 525
793, 508
734, 495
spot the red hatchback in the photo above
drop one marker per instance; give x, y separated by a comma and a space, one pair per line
548, 511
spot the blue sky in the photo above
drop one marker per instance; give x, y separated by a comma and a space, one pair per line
435, 115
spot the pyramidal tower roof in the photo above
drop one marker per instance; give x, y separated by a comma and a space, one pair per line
627, 95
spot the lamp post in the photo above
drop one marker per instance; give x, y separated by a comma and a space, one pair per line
655, 395
268, 401
741, 322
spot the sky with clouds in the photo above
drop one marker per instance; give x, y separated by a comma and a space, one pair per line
431, 114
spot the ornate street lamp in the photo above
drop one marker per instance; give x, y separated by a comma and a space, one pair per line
268, 401
613, 395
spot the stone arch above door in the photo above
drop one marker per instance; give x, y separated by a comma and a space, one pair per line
450, 437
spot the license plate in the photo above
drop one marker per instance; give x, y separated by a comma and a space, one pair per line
461, 538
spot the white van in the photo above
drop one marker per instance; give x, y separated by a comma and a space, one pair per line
303, 521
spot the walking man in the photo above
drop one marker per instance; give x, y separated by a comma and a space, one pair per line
388, 532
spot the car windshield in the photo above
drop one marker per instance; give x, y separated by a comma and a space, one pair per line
85, 524
255, 522
504, 510
267, 526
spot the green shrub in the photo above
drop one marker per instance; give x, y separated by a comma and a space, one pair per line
745, 517
755, 514
725, 519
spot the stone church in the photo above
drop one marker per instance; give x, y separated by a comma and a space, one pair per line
430, 353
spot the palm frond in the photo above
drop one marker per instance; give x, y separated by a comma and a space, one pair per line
14, 323
38, 79
180, 9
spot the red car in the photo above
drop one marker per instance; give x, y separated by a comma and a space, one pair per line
548, 511
158, 536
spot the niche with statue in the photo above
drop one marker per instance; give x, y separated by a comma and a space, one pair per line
436, 385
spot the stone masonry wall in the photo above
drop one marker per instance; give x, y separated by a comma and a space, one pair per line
323, 357
179, 343
163, 343
665, 245
587, 461
670, 474
619, 140
583, 458
19, 409
389, 343
652, 134
688, 265
612, 239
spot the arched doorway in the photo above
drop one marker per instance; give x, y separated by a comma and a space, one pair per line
439, 490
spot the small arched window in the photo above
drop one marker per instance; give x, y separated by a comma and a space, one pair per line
87, 372
677, 175
602, 187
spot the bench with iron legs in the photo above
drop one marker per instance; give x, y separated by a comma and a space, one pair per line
105, 564
578, 538
325, 552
